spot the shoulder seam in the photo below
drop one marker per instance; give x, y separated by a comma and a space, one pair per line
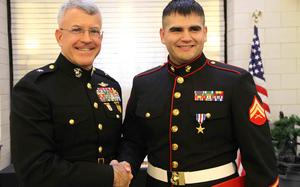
150, 71
224, 69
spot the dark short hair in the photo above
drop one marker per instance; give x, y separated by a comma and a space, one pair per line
183, 7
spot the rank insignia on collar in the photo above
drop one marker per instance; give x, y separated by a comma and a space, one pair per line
103, 84
200, 118
78, 72
108, 94
209, 95
188, 68
257, 113
93, 70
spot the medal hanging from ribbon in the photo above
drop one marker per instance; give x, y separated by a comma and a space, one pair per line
200, 118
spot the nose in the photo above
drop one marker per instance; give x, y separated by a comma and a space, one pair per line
86, 36
186, 36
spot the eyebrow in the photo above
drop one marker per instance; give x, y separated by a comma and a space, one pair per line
196, 27
178, 28
78, 26
175, 28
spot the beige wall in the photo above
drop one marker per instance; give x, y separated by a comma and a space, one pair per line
279, 32
4, 89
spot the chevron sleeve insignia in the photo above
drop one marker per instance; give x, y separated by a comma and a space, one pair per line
257, 113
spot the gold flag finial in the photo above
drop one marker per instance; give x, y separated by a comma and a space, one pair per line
255, 15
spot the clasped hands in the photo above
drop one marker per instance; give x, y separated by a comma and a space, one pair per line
122, 173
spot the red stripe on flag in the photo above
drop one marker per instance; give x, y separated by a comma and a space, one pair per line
261, 90
266, 107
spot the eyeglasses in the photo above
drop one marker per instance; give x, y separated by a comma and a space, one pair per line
93, 32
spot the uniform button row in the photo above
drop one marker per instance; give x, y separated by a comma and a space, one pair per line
174, 128
177, 95
180, 80
71, 121
89, 86
175, 112
100, 149
175, 164
96, 105
175, 147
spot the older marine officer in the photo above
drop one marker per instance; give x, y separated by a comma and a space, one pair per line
66, 116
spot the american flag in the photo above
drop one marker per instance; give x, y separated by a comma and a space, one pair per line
257, 71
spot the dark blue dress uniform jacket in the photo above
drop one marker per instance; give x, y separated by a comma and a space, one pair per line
65, 126
161, 122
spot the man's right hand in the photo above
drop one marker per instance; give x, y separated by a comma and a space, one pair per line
122, 173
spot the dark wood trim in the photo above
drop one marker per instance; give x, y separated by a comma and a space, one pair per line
10, 51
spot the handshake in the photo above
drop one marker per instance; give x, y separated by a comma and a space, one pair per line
122, 173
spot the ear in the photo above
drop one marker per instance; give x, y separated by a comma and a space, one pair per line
205, 33
101, 37
162, 35
58, 36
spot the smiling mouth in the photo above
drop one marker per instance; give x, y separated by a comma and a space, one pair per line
185, 47
84, 49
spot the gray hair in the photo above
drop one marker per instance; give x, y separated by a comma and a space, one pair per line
89, 6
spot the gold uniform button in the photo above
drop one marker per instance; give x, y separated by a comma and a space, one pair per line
147, 115
89, 86
188, 68
96, 105
118, 116
177, 95
100, 126
51, 66
174, 128
71, 121
174, 147
180, 80
208, 115
100, 149
175, 164
175, 112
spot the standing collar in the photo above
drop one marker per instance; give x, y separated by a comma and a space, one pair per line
187, 68
73, 70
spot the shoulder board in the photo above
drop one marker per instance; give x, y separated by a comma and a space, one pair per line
150, 71
103, 74
35, 74
226, 67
